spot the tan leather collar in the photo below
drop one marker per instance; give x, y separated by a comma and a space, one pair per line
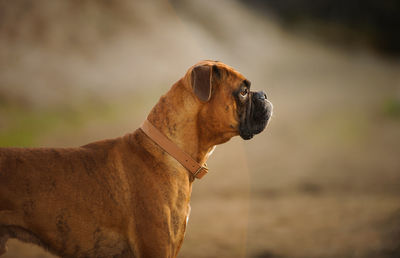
197, 170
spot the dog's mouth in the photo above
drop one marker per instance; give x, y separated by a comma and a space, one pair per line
257, 117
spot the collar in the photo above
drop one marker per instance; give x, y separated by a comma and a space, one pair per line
196, 170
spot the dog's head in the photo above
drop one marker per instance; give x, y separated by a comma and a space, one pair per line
228, 106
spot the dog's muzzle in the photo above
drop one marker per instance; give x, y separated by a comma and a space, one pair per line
258, 113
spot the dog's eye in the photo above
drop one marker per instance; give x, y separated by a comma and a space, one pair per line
244, 91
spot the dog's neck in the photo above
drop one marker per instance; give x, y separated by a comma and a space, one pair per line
170, 116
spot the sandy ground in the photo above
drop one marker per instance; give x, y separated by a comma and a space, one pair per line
322, 181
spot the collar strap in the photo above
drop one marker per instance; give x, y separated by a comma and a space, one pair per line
197, 170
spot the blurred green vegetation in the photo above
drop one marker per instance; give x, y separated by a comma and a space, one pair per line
391, 108
23, 126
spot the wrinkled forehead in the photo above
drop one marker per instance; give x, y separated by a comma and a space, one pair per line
228, 72
233, 77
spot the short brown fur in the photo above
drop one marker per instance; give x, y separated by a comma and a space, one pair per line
122, 197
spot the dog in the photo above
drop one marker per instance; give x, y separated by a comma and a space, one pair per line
129, 196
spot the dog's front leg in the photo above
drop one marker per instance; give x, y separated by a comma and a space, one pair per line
157, 234
152, 242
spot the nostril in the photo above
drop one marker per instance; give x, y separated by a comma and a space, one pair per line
261, 95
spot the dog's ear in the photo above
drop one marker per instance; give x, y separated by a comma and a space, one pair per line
202, 82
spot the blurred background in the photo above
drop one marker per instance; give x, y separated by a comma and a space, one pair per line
322, 181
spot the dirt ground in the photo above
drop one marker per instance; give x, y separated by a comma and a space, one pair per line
322, 181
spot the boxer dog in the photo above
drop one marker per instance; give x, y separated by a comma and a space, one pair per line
129, 196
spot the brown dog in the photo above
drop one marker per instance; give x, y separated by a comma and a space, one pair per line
127, 197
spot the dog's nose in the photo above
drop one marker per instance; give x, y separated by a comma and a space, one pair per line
261, 95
